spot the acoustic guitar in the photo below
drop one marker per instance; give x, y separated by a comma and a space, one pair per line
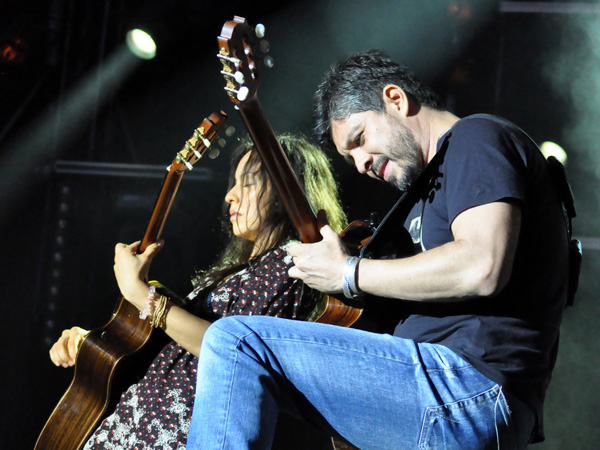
241, 56
106, 350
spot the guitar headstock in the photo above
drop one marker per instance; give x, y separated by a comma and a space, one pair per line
201, 140
241, 50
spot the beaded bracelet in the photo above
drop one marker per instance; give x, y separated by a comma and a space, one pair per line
144, 312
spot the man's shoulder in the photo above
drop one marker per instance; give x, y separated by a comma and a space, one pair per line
479, 131
482, 140
483, 122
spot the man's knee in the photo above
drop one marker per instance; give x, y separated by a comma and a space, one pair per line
228, 330
228, 326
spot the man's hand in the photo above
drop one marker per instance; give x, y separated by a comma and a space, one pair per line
320, 265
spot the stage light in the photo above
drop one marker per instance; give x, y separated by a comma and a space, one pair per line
12, 51
552, 149
24, 158
141, 44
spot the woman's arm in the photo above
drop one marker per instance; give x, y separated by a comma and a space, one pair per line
131, 271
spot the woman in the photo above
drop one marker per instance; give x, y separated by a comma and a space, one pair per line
249, 278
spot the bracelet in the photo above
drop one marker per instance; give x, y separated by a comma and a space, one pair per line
144, 312
159, 312
349, 278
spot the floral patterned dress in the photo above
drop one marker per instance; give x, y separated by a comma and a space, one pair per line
154, 414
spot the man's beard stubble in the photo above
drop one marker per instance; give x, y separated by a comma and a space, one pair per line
403, 150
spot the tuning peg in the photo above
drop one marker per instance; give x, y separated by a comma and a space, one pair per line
181, 159
259, 30
230, 59
239, 77
242, 93
199, 135
190, 148
269, 62
222, 142
264, 46
229, 131
214, 153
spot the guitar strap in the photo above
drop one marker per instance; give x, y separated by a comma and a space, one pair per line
391, 239
563, 189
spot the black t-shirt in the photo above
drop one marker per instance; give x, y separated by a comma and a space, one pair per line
511, 337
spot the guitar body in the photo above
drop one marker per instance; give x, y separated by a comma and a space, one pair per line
114, 356
369, 313
85, 403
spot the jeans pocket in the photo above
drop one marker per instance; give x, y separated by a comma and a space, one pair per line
479, 422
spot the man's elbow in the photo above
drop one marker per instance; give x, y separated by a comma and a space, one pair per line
488, 280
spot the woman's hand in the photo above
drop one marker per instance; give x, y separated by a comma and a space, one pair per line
64, 351
131, 271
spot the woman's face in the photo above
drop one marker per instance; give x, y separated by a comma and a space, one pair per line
244, 211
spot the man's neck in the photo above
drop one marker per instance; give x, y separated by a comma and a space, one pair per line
439, 123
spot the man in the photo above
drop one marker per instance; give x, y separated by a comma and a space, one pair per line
469, 363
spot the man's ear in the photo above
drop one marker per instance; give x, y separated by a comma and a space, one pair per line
396, 99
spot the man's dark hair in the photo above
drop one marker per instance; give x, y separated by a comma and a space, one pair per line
356, 84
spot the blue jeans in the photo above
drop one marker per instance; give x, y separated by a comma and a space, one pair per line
376, 391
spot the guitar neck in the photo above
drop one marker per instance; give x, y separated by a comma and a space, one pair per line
192, 151
282, 175
161, 208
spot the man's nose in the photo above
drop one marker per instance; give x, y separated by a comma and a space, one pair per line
363, 161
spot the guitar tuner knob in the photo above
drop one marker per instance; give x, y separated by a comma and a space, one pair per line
243, 93
259, 30
239, 77
222, 142
214, 153
264, 46
230, 131
230, 59
269, 62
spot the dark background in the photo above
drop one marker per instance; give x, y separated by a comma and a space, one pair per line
82, 155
